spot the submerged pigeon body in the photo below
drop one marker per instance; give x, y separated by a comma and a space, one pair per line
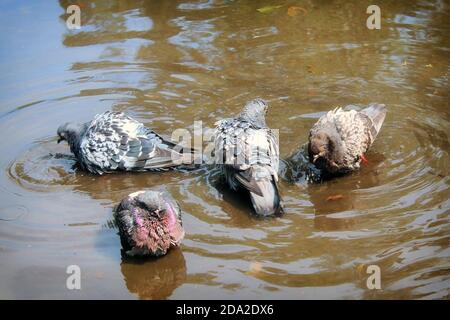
149, 223
114, 141
339, 140
247, 151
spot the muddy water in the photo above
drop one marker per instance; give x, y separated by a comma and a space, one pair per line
171, 63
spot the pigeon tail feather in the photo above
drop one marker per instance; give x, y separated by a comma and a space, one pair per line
377, 113
270, 201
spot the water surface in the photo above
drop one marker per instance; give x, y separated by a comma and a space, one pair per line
171, 63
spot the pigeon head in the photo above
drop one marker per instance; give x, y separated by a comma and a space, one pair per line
70, 132
325, 151
156, 221
150, 201
255, 112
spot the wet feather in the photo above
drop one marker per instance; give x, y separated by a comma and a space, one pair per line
115, 141
149, 223
340, 138
247, 152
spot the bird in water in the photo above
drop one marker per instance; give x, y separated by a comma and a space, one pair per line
340, 138
149, 223
247, 151
114, 141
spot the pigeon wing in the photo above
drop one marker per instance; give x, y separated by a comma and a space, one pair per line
242, 148
375, 113
353, 129
116, 141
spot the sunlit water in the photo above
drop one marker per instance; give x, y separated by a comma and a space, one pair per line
171, 63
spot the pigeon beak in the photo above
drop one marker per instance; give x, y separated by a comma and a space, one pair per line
60, 139
317, 156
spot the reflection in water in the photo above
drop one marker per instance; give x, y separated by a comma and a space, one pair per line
337, 204
170, 63
155, 278
335, 199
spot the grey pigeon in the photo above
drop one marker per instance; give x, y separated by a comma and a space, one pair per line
114, 141
247, 151
339, 140
149, 223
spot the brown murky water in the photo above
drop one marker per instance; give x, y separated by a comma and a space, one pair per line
170, 63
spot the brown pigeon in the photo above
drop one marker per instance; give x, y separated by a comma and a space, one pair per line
339, 140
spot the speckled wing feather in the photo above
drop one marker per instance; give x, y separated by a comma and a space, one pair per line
115, 141
357, 130
247, 153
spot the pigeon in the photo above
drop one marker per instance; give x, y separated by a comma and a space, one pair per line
114, 141
149, 223
340, 138
248, 154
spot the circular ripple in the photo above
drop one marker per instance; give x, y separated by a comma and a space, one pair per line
44, 166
